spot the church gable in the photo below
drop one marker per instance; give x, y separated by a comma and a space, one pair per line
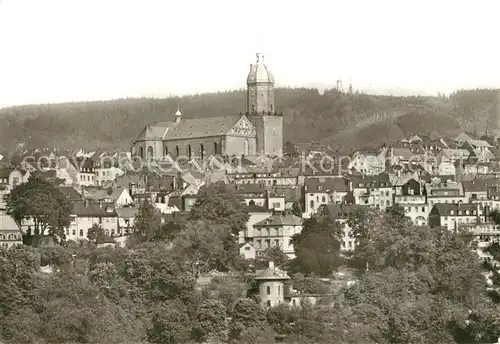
242, 128
152, 132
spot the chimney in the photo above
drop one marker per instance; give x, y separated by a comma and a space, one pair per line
271, 265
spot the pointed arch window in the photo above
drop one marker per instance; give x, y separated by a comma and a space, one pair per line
176, 151
141, 152
188, 151
268, 290
216, 148
202, 152
150, 152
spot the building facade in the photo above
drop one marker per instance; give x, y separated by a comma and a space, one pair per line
259, 131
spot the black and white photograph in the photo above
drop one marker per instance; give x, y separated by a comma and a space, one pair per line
249, 172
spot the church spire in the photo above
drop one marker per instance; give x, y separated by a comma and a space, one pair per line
178, 115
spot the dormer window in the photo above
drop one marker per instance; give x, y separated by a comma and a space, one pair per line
320, 188
467, 212
459, 212
452, 212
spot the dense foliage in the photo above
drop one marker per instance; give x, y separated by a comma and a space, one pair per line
333, 117
40, 201
415, 285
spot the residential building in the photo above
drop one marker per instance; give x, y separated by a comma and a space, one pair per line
10, 233
414, 201
277, 231
453, 216
373, 190
368, 163
320, 191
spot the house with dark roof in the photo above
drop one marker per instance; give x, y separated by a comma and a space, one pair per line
319, 191
412, 197
373, 190
87, 213
453, 216
276, 230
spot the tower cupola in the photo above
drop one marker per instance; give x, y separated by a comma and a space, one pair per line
178, 115
259, 72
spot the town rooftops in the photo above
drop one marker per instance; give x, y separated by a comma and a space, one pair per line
339, 211
92, 209
378, 181
326, 185
454, 209
189, 128
280, 219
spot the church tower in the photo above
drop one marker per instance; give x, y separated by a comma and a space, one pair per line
261, 111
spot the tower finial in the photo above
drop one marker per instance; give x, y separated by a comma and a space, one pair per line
260, 58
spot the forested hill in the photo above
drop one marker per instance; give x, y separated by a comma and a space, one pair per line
334, 118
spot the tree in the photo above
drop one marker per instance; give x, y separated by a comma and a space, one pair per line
317, 247
147, 224
228, 290
247, 314
219, 203
170, 324
54, 255
297, 209
201, 245
272, 254
495, 216
41, 201
97, 235
210, 321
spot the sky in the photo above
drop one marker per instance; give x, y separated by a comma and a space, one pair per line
72, 50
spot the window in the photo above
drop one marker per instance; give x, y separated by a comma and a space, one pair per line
268, 290
323, 199
74, 232
216, 148
176, 150
312, 204
277, 243
81, 232
276, 205
268, 303
279, 290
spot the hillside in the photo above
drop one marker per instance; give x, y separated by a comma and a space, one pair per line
338, 119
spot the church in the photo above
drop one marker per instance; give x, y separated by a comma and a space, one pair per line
259, 131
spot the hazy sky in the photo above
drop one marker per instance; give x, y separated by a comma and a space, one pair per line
64, 50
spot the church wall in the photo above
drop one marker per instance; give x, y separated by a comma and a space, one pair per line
155, 145
235, 145
273, 133
208, 146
